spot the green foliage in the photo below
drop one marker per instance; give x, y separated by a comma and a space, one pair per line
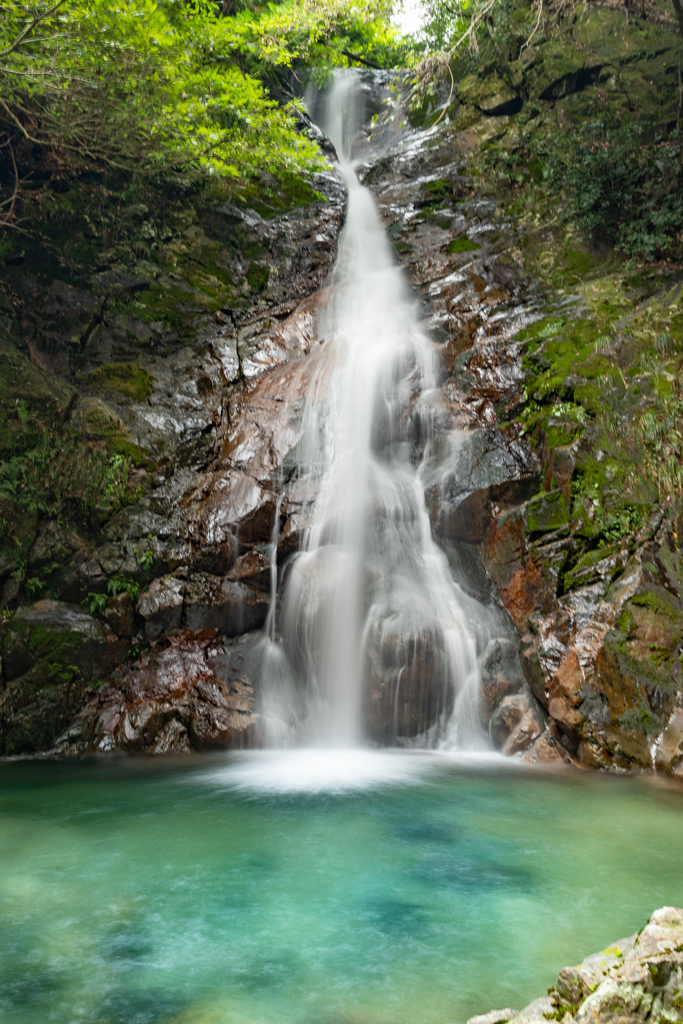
462, 245
95, 603
33, 587
158, 85
64, 475
145, 559
119, 583
623, 186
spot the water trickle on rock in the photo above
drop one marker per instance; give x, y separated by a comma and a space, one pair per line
372, 623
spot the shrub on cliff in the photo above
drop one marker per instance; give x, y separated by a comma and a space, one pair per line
623, 188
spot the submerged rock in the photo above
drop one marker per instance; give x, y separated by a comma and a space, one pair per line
634, 980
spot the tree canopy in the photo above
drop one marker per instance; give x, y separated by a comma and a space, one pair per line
153, 84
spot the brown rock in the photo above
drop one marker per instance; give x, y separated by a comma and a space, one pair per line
519, 578
214, 602
507, 715
196, 693
252, 568
546, 750
120, 614
669, 754
523, 735
408, 685
596, 701
161, 606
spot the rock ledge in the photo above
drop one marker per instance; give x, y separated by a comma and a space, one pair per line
636, 979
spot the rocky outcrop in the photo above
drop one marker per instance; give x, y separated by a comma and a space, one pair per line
408, 689
525, 467
195, 693
634, 980
167, 374
52, 653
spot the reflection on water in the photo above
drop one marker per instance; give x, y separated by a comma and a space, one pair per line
373, 888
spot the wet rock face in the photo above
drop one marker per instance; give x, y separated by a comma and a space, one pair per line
485, 469
192, 364
408, 689
196, 693
635, 979
52, 653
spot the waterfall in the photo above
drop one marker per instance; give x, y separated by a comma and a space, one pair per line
373, 626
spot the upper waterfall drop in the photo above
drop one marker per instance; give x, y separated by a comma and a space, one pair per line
372, 623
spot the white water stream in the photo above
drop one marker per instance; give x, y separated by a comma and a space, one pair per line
372, 623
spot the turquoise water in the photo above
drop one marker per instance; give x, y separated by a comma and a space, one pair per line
252, 889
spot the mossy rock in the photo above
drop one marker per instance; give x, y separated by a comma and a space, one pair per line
597, 564
21, 381
641, 719
127, 379
487, 93
100, 422
659, 601
257, 276
462, 245
547, 512
51, 638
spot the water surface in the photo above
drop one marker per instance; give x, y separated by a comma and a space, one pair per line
377, 888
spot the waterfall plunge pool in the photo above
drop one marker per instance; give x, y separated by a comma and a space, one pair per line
312, 887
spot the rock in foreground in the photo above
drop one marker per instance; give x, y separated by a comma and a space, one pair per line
636, 979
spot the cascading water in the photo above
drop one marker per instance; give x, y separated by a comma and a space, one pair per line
372, 624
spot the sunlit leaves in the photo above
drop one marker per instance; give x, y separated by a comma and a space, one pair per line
153, 84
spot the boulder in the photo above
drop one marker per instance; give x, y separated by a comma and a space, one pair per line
501, 675
214, 602
484, 467
161, 606
50, 634
546, 749
408, 684
52, 653
515, 724
669, 753
119, 614
195, 693
636, 979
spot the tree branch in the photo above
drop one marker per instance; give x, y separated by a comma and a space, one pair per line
17, 122
362, 60
29, 28
7, 217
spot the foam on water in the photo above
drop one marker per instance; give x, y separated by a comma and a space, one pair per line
318, 770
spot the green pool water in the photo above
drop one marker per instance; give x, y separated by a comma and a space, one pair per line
402, 889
